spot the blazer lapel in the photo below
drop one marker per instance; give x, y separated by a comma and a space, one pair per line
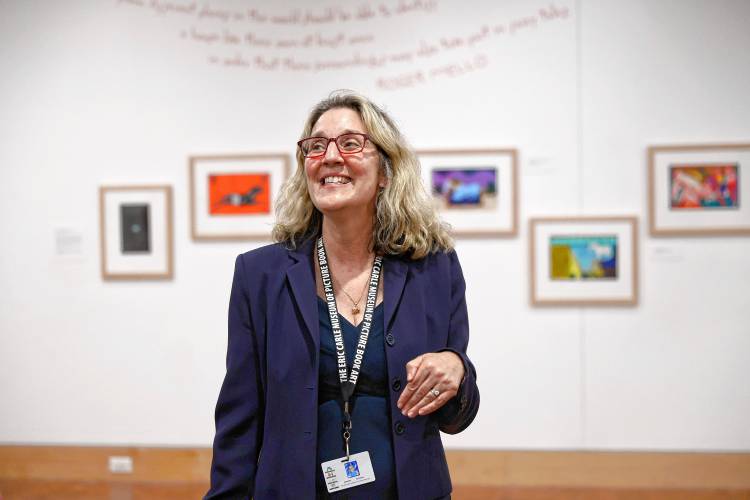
302, 282
394, 279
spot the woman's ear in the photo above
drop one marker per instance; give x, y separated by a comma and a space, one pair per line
384, 178
386, 170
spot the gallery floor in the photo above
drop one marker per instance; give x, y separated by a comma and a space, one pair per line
102, 490
41, 472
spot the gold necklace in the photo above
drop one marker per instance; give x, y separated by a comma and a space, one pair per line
355, 309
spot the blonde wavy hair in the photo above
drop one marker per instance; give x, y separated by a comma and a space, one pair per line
406, 222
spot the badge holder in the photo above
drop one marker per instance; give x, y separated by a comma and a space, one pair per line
350, 470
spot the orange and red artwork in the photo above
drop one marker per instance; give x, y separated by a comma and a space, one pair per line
239, 194
704, 186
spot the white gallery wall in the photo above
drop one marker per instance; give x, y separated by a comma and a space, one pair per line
116, 92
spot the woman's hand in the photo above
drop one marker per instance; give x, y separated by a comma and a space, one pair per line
425, 374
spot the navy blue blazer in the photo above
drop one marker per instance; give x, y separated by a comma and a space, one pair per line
266, 415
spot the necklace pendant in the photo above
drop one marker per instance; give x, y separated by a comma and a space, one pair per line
355, 310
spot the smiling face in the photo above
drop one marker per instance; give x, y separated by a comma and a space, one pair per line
343, 183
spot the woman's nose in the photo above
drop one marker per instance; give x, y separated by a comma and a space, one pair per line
333, 154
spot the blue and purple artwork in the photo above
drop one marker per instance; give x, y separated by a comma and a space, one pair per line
474, 187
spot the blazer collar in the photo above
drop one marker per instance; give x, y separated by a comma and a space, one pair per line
394, 279
302, 282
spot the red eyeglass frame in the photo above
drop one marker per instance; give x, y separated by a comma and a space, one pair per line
334, 140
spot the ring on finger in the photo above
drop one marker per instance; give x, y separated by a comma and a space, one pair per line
435, 392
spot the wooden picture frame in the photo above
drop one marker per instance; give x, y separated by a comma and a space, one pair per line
136, 237
475, 190
699, 190
233, 197
583, 261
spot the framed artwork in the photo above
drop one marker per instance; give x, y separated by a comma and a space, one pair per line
475, 191
233, 197
583, 261
699, 190
136, 232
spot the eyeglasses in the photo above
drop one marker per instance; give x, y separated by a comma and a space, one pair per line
314, 147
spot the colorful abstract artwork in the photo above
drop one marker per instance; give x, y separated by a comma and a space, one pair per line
465, 187
583, 257
704, 186
239, 194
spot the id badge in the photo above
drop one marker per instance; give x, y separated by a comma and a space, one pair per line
341, 473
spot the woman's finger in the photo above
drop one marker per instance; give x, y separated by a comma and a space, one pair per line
412, 367
428, 398
436, 403
424, 380
413, 380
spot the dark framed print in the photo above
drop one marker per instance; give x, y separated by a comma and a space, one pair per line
475, 191
583, 261
699, 190
233, 196
136, 232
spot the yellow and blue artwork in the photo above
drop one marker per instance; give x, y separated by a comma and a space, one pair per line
589, 257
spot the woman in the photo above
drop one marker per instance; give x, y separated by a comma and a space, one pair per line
347, 338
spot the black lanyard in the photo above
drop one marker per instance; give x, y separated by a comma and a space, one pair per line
348, 381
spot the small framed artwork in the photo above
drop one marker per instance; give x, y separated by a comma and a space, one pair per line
584, 261
475, 191
233, 197
136, 232
699, 190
